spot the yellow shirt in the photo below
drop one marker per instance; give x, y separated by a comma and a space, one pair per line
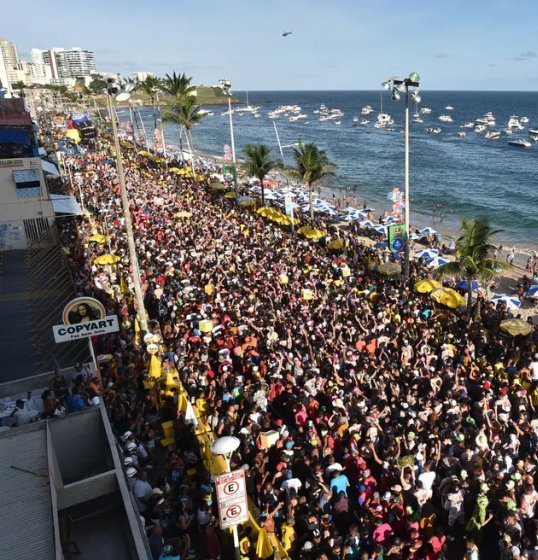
288, 537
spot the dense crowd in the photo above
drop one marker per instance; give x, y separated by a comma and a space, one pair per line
373, 423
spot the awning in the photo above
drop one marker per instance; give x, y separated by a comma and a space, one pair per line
27, 178
49, 168
65, 204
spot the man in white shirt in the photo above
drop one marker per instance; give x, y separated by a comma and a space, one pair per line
534, 368
142, 491
291, 486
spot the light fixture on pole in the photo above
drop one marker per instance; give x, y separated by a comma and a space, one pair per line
226, 86
225, 446
398, 86
122, 94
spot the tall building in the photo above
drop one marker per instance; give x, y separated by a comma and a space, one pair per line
41, 67
9, 64
71, 63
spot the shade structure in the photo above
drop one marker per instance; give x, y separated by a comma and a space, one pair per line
367, 224
448, 297
516, 327
335, 244
389, 269
245, 201
97, 238
427, 254
436, 262
427, 231
230, 194
217, 187
532, 292
511, 302
107, 258
311, 233
427, 285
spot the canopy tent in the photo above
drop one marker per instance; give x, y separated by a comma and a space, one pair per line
64, 204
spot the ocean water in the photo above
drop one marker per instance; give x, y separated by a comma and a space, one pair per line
470, 176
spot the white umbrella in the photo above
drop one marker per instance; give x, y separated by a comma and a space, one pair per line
427, 231
381, 229
532, 292
436, 262
510, 301
367, 224
427, 254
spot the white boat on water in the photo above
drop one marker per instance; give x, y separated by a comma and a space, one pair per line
488, 119
468, 124
520, 143
533, 133
462, 134
355, 119
205, 113
364, 122
446, 118
449, 108
513, 122
524, 120
417, 118
492, 135
479, 128
366, 110
226, 113
433, 130
425, 110
338, 122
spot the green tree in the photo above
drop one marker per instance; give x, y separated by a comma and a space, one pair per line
311, 165
185, 113
98, 84
474, 255
258, 163
19, 86
151, 86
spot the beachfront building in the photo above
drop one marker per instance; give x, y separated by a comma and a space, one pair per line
26, 210
41, 67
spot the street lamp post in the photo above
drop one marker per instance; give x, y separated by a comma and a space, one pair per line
225, 446
133, 257
226, 86
402, 86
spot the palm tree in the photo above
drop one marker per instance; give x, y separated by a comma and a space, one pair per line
178, 85
185, 113
474, 255
259, 163
312, 164
151, 86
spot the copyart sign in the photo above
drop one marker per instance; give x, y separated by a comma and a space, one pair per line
66, 333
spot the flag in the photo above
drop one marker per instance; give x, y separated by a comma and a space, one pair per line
264, 548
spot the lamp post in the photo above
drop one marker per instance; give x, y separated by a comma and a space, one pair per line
226, 86
398, 86
225, 446
123, 95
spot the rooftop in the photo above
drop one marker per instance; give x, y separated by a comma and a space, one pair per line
27, 529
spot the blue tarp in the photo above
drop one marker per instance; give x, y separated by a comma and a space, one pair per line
14, 136
78, 119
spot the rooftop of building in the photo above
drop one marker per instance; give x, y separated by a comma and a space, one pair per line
13, 113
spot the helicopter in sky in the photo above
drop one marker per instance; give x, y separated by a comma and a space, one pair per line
286, 33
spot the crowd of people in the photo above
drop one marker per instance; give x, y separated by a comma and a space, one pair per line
373, 423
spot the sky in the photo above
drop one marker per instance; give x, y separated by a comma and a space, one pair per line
335, 44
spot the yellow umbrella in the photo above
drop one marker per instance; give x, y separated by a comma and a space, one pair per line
144, 153
389, 269
200, 178
176, 170
97, 238
74, 134
230, 194
107, 258
427, 285
448, 297
516, 326
217, 187
336, 244
244, 201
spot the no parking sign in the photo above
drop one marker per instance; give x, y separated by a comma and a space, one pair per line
232, 498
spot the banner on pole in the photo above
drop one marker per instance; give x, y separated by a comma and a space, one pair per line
396, 237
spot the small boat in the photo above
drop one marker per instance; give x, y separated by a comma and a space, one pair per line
524, 120
425, 110
337, 122
449, 108
468, 124
434, 130
492, 135
513, 122
462, 134
479, 128
366, 110
445, 118
520, 143
364, 122
508, 131
417, 119
533, 133
355, 119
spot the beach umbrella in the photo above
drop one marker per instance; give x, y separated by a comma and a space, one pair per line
532, 292
97, 238
427, 285
389, 269
463, 285
255, 188
436, 262
107, 258
414, 236
427, 254
245, 201
381, 229
381, 245
230, 194
270, 196
350, 209
367, 224
217, 187
335, 244
448, 297
516, 327
427, 231
511, 302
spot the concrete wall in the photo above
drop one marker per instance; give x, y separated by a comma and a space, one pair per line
88, 489
81, 446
